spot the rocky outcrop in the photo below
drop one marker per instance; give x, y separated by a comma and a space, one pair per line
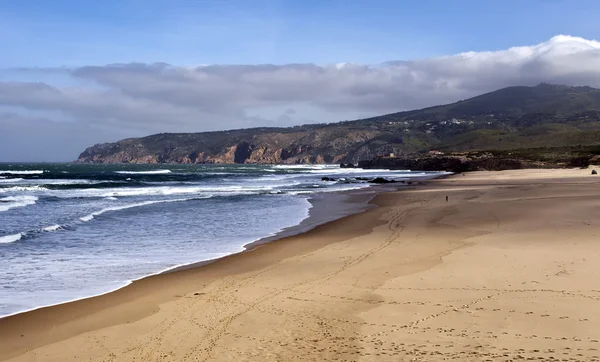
243, 146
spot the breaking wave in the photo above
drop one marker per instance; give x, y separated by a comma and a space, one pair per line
10, 180
155, 172
52, 228
17, 172
10, 238
129, 206
11, 202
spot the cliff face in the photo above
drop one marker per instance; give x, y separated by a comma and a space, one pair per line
507, 119
288, 146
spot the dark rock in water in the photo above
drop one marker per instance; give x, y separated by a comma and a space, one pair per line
347, 165
594, 172
328, 179
381, 180
362, 179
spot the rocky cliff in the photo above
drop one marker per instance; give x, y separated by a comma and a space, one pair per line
293, 146
507, 119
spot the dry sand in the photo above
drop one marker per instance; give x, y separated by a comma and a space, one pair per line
507, 269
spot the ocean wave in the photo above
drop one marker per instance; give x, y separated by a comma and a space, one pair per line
10, 238
17, 172
326, 190
52, 228
56, 183
349, 171
16, 237
129, 206
87, 185
154, 172
22, 188
64, 181
147, 191
113, 192
10, 180
304, 167
176, 190
12, 202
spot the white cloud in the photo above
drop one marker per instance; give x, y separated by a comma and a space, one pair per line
167, 98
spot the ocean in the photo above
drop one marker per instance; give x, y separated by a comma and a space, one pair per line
70, 231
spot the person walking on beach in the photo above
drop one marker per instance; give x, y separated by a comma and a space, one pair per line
446, 198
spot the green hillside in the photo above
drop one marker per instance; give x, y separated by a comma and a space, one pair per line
545, 117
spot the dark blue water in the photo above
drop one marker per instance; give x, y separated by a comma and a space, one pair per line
70, 231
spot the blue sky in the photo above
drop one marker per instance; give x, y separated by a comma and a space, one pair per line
189, 32
75, 73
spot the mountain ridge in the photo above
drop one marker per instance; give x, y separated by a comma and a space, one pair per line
517, 117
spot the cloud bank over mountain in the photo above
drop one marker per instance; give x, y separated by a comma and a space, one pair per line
119, 100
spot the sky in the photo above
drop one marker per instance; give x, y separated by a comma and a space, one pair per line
77, 73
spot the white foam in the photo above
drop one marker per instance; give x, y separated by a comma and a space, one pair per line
43, 181
325, 190
10, 238
16, 172
10, 180
177, 190
123, 207
66, 182
310, 167
351, 171
113, 193
155, 172
137, 191
52, 228
12, 202
23, 188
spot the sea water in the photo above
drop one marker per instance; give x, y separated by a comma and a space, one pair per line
70, 231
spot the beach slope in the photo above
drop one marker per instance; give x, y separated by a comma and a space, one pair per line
507, 268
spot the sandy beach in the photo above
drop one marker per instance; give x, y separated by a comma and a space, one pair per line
506, 269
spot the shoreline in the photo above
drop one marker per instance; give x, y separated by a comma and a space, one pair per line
286, 232
505, 269
135, 289
346, 203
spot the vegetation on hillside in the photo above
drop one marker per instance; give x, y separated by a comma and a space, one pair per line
542, 121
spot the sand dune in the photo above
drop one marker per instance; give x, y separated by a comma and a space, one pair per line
507, 269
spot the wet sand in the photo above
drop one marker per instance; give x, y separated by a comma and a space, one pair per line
506, 269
